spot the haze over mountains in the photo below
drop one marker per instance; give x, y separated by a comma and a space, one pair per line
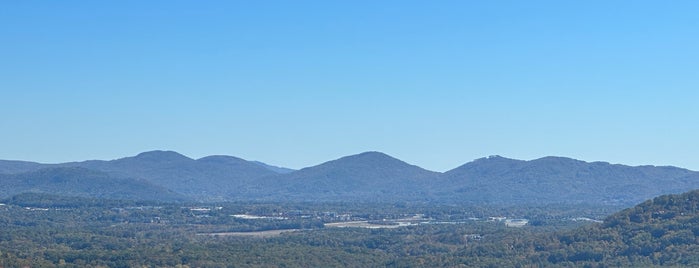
365, 177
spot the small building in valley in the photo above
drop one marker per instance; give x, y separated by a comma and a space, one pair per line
516, 222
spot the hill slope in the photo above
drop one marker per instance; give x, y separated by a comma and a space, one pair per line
209, 178
369, 176
13, 167
662, 231
280, 170
563, 180
84, 183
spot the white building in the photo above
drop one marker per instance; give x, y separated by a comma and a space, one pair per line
516, 222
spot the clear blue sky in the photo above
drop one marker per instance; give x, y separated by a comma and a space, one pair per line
296, 83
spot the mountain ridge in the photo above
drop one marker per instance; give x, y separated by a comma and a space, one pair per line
9, 164
77, 181
361, 177
378, 177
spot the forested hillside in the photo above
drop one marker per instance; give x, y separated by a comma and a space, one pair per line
661, 231
81, 182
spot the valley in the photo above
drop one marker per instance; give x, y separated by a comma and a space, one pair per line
42, 230
113, 233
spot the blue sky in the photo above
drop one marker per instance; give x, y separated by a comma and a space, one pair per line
296, 83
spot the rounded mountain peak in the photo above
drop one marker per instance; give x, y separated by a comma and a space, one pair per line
221, 159
159, 155
372, 157
372, 154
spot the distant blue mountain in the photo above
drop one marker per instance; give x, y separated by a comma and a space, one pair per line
367, 177
12, 167
207, 179
83, 182
377, 177
564, 180
210, 178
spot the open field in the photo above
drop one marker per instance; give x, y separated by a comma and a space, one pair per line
260, 234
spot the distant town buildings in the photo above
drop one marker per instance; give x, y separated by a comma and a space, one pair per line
516, 222
510, 222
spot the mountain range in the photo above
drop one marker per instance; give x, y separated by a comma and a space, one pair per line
365, 177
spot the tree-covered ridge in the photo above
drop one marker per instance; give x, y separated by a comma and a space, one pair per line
663, 231
377, 177
659, 210
82, 182
557, 179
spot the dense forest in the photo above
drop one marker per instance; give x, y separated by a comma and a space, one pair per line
49, 231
